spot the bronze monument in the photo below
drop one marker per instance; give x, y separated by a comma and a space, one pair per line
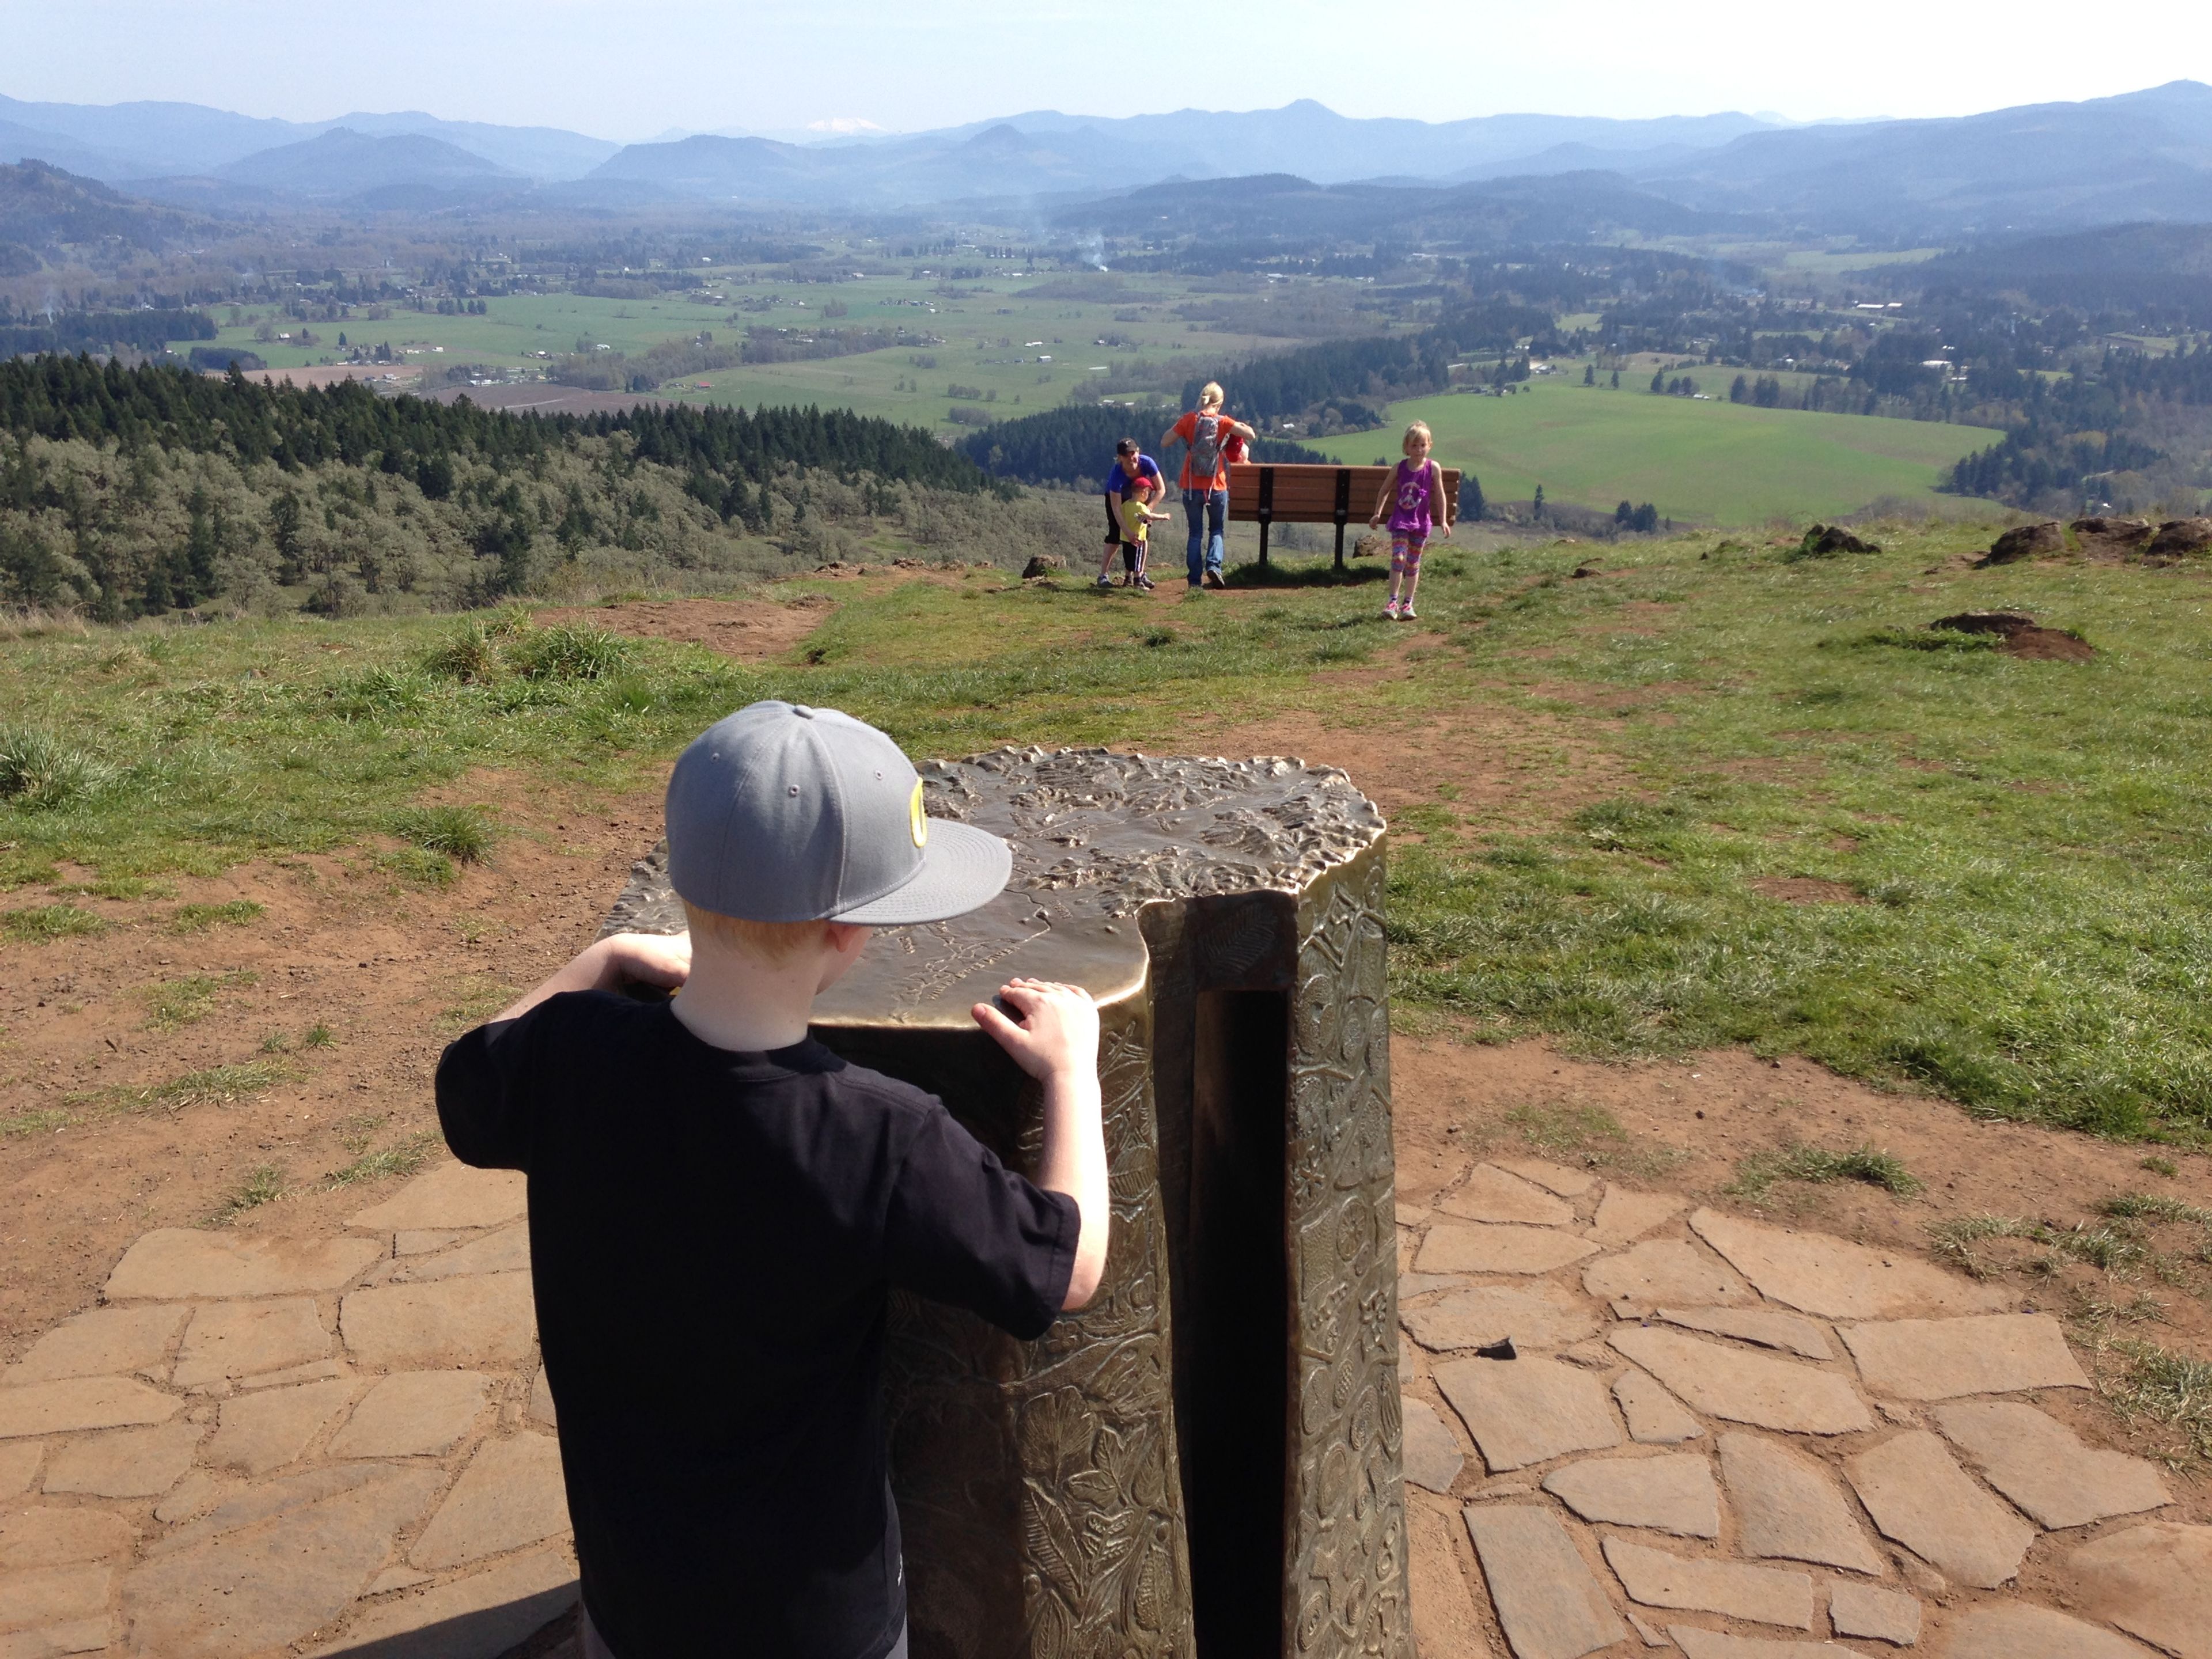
1203, 1463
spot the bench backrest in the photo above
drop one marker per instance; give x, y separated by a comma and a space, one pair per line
1318, 493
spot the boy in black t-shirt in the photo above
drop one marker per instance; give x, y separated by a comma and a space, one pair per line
718, 1205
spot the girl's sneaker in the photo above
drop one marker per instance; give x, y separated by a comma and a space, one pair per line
1390, 609
1406, 614
1145, 582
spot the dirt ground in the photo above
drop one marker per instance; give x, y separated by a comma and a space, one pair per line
393, 971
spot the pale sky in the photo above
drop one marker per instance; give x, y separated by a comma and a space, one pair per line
629, 68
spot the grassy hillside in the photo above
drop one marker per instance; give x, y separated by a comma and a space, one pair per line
1716, 462
1824, 831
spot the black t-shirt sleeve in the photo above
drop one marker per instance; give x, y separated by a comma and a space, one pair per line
484, 1092
963, 1228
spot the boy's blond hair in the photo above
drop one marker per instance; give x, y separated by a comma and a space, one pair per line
766, 942
1421, 427
1210, 395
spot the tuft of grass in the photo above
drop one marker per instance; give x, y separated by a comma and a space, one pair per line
2160, 1166
477, 998
42, 922
2158, 1385
1928, 639
459, 832
216, 1086
1757, 1173
404, 1158
317, 1037
2116, 1251
34, 1124
264, 1186
180, 1002
420, 865
375, 694
2153, 1206
470, 655
569, 652
38, 772
1563, 1131
198, 917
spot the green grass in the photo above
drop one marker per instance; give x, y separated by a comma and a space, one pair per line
198, 917
2152, 1384
264, 1186
455, 832
179, 1002
1757, 1174
216, 1086
404, 1158
1716, 462
39, 1122
37, 924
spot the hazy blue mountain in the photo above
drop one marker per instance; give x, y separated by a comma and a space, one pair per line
547, 154
343, 164
41, 206
19, 143
2141, 156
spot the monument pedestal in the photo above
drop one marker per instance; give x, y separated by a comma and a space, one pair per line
1203, 1464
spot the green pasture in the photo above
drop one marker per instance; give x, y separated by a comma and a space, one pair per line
2021, 918
1706, 462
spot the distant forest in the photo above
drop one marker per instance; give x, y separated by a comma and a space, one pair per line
133, 491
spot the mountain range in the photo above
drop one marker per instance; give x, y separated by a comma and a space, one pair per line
2143, 155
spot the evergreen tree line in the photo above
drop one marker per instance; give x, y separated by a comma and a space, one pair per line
2073, 436
130, 492
104, 331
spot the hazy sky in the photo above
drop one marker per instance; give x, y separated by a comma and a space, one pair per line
632, 69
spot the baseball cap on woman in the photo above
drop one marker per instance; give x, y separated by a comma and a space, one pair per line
780, 812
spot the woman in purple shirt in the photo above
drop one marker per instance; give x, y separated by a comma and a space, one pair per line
1131, 471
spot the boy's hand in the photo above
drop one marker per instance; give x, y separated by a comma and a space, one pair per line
1059, 1027
662, 959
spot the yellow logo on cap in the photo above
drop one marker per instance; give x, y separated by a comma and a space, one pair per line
919, 820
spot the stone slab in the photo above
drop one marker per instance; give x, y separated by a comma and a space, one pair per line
263, 1431
421, 1241
1664, 1272
127, 1463
480, 1320
1770, 1327
1432, 1456
42, 1536
1490, 1194
54, 1596
231, 1340
1885, 1615
272, 1583
1623, 1215
1552, 1177
103, 1342
511, 1494
245, 1506
2154, 1581
19, 1462
1655, 1417
1674, 1492
1697, 1643
1525, 1411
1443, 1613
1944, 1358
1548, 1603
2021, 1630
505, 1251
451, 1195
1917, 1496
1816, 1273
1765, 1392
1544, 1315
413, 1414
1474, 1248
197, 1493
2039, 1464
479, 1617
69, 1405
1659, 1579
1787, 1507
78, 1636
174, 1264
541, 1408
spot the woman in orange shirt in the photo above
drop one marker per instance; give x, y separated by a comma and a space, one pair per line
1204, 432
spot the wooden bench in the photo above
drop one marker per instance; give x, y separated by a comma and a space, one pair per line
1268, 495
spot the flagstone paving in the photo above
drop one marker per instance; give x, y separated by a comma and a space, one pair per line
1717, 1437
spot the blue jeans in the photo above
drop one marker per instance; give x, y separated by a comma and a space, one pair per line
1204, 509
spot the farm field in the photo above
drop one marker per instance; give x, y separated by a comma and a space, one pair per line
1708, 461
1014, 352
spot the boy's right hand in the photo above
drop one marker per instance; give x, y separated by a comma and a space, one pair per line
1059, 1027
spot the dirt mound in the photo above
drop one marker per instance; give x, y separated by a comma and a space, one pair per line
2180, 538
2114, 535
2019, 635
1042, 564
2026, 541
1806, 889
747, 630
1824, 540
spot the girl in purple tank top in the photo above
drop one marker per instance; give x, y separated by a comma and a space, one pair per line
1414, 495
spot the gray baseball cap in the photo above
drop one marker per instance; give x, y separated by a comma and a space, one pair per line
780, 812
